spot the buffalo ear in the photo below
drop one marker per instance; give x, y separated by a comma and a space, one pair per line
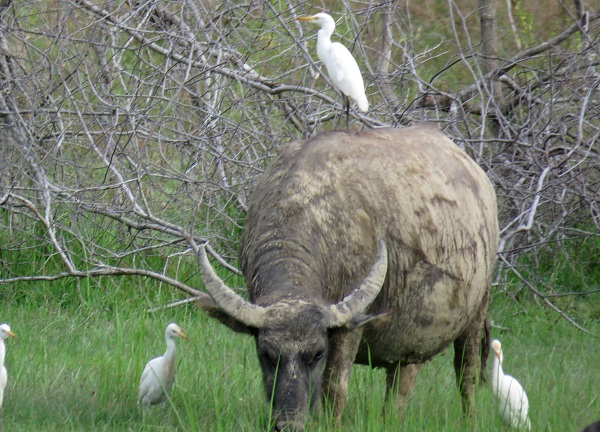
363, 319
215, 312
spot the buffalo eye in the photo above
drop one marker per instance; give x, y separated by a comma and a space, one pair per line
316, 357
268, 359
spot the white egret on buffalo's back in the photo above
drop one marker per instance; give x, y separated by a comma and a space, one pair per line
159, 373
4, 333
514, 405
342, 68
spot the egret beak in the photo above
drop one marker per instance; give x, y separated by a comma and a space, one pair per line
182, 335
11, 334
306, 18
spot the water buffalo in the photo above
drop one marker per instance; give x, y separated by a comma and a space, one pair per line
326, 221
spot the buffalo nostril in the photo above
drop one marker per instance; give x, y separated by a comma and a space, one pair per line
290, 424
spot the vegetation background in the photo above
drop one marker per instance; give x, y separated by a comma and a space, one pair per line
132, 132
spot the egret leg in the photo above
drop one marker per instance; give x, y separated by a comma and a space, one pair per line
347, 106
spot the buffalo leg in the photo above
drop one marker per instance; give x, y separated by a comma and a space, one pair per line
399, 382
467, 364
342, 352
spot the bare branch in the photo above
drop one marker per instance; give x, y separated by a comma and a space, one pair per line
132, 132
543, 297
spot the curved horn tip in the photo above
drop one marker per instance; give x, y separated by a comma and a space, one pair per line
225, 298
359, 300
381, 249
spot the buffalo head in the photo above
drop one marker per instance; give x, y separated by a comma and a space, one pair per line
292, 336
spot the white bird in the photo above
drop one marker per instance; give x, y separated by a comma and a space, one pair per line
342, 68
514, 405
4, 333
158, 375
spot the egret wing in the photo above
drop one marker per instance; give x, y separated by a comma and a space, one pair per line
343, 71
151, 389
3, 381
514, 403
3, 377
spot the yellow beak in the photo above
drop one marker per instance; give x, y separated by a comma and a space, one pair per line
11, 334
305, 18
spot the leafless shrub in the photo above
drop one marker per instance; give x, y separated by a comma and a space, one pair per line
132, 130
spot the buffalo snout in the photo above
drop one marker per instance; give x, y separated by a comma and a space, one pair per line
290, 422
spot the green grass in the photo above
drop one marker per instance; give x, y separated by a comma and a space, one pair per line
76, 363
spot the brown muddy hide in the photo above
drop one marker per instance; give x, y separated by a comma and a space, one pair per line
292, 359
346, 226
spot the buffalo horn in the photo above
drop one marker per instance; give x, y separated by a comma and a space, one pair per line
234, 305
356, 302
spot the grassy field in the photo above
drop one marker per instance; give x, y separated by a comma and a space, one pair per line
76, 363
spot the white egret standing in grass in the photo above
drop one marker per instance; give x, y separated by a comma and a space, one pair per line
514, 405
4, 333
342, 68
158, 375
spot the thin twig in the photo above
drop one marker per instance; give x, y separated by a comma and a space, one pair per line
543, 297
